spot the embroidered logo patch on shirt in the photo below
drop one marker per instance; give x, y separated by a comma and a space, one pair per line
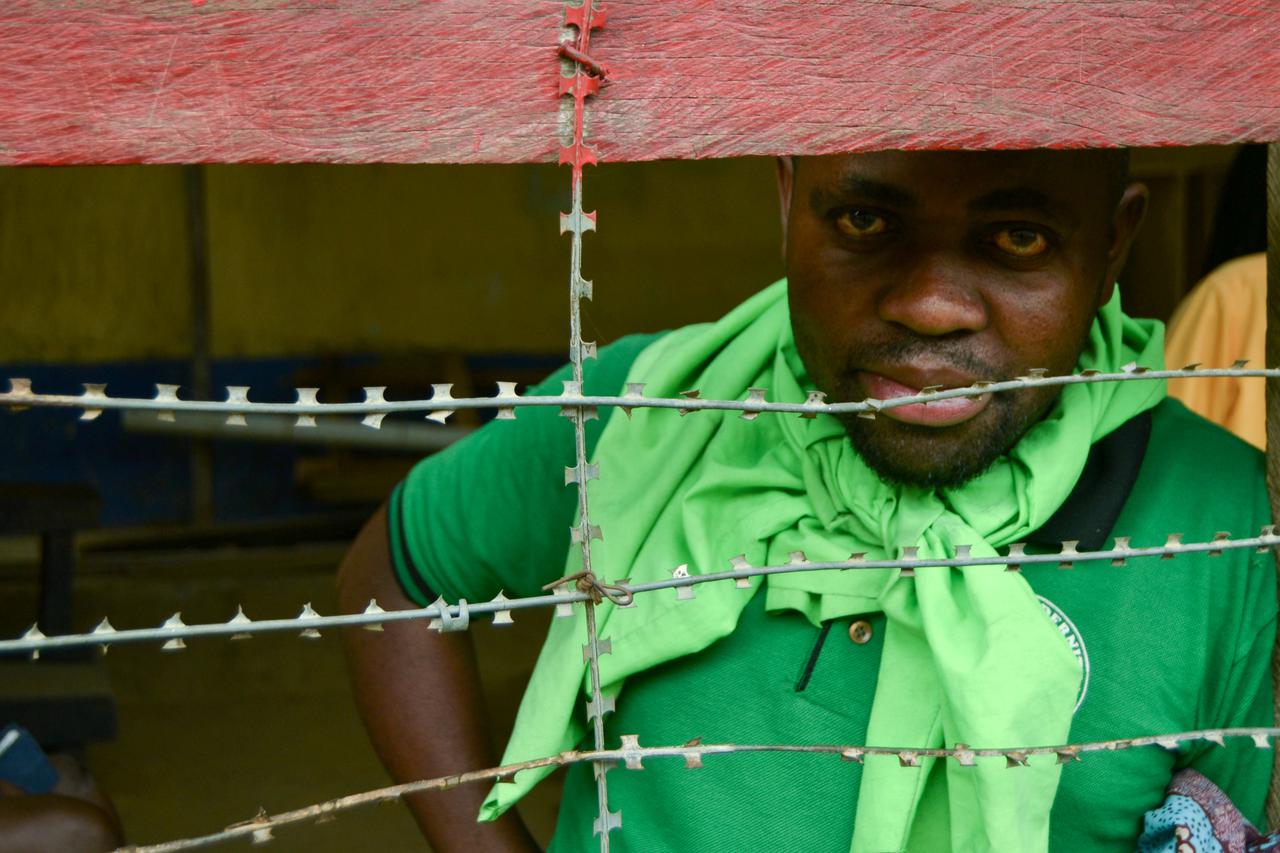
1075, 642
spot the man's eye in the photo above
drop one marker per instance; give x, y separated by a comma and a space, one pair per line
858, 223
1021, 242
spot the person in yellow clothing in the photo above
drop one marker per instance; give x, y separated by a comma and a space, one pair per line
1224, 319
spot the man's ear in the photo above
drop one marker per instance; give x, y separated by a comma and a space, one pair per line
1130, 211
786, 183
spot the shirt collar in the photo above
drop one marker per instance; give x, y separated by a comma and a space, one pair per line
1089, 513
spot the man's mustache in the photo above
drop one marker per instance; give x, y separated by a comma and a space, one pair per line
935, 353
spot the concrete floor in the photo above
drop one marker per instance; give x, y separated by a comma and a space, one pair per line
210, 734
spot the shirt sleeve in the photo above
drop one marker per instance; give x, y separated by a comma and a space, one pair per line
491, 513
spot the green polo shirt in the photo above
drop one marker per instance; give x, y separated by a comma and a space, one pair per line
1167, 645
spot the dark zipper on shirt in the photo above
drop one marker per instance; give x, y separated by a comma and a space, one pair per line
803, 681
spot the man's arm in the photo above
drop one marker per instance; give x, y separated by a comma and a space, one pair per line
53, 823
76, 815
419, 695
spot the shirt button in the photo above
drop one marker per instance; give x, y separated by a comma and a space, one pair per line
860, 632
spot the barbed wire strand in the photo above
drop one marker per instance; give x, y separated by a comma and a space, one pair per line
94, 400
586, 77
456, 617
582, 83
632, 755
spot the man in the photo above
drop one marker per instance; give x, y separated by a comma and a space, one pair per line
905, 270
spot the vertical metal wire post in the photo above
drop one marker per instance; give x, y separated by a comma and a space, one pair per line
576, 222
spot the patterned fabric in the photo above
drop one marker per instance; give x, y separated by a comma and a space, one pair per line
1197, 817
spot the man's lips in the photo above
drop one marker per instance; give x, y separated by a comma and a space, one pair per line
939, 413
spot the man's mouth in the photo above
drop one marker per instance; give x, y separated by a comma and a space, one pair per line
939, 413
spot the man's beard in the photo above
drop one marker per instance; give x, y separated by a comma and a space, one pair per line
940, 457
893, 450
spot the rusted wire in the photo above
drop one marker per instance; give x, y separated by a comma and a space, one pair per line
632, 755
586, 77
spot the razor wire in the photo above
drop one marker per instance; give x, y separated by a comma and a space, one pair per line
583, 82
442, 404
582, 76
445, 617
632, 755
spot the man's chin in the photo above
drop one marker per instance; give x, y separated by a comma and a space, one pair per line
930, 457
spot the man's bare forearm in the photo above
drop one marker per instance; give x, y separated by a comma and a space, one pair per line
53, 823
419, 694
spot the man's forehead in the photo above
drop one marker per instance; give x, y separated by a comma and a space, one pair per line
971, 173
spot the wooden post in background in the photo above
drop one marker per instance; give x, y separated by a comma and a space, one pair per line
1273, 420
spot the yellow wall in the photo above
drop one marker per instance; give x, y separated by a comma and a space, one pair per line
92, 264
333, 259
380, 258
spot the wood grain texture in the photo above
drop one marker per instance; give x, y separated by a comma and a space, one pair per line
304, 81
112, 81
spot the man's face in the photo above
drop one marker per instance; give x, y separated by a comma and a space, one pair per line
910, 270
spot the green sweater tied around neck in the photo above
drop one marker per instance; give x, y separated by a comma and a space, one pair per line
969, 656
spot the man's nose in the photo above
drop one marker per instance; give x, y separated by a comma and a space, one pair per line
937, 295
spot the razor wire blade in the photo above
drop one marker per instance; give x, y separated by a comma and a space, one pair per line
459, 616
631, 755
584, 81
375, 407
584, 77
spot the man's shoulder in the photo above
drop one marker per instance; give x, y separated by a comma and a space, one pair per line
538, 437
605, 375
1195, 442
456, 516
1195, 469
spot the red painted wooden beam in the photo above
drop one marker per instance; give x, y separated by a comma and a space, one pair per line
111, 81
